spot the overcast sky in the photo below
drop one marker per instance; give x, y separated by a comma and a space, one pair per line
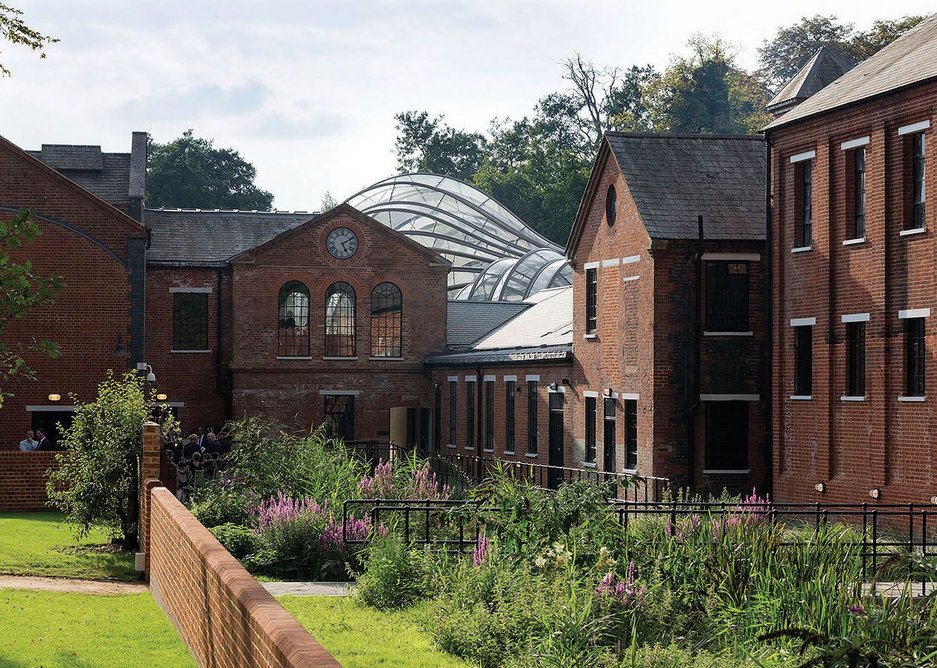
307, 90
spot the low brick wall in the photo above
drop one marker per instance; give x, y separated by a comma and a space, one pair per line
23, 479
224, 615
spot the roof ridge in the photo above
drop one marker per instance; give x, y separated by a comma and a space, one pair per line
245, 211
678, 135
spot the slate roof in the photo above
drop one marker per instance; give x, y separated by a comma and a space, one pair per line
821, 70
910, 59
469, 321
107, 175
211, 238
675, 178
504, 356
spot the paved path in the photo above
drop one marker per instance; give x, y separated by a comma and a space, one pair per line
894, 589
70, 585
310, 588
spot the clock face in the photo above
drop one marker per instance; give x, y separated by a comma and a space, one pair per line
342, 243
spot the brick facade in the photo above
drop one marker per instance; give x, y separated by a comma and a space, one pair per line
23, 478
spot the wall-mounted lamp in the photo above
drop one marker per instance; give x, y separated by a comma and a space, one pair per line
554, 387
875, 493
820, 487
435, 386
150, 376
608, 392
55, 397
162, 397
933, 500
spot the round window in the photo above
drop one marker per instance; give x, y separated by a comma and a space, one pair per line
611, 206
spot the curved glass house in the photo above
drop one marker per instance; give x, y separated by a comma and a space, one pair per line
494, 254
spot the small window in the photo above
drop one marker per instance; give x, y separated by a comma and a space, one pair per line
453, 403
918, 183
914, 356
437, 417
803, 351
340, 321
631, 434
532, 417
609, 436
855, 353
590, 430
340, 416
858, 193
470, 414
510, 392
386, 321
489, 415
592, 286
804, 192
190, 321
293, 329
727, 296
611, 206
727, 435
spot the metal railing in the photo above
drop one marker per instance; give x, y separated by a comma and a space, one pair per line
373, 452
454, 524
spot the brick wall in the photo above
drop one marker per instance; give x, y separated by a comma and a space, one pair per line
224, 616
854, 446
23, 478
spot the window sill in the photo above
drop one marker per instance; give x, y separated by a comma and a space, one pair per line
450, 445
509, 452
469, 447
912, 400
705, 333
531, 455
913, 231
293, 357
802, 249
630, 471
590, 336
589, 465
340, 359
727, 471
801, 397
850, 397
385, 359
853, 242
488, 449
190, 352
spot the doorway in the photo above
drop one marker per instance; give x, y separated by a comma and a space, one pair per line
555, 476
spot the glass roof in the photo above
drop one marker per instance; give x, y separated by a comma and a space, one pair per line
494, 254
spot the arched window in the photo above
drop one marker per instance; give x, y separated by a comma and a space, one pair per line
293, 330
340, 320
386, 322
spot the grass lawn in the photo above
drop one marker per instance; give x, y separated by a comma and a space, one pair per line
360, 637
81, 630
41, 544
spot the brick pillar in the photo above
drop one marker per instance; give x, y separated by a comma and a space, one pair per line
149, 478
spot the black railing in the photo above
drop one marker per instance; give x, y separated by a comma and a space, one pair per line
460, 471
454, 524
373, 452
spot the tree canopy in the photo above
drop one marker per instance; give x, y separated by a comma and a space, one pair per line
189, 172
14, 30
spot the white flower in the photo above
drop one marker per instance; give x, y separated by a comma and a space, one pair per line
540, 562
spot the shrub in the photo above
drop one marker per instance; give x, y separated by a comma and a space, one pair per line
393, 576
221, 506
238, 540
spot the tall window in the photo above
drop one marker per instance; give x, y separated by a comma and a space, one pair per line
631, 434
453, 403
532, 417
918, 188
609, 436
340, 320
470, 414
510, 391
293, 329
803, 351
727, 435
914, 356
386, 321
190, 321
592, 285
340, 416
858, 193
437, 417
590, 430
855, 355
727, 296
489, 415
804, 230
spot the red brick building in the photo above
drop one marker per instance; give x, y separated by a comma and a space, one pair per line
853, 269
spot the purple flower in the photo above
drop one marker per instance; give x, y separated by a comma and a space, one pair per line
625, 591
480, 554
856, 610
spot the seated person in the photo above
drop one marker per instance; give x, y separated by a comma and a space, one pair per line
212, 444
190, 447
29, 443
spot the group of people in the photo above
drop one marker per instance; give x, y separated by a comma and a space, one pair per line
198, 453
37, 441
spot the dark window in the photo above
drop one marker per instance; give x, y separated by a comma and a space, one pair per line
453, 402
437, 417
340, 320
293, 330
489, 415
386, 321
190, 321
804, 174
727, 296
592, 286
510, 390
914, 353
609, 435
918, 188
590, 429
611, 206
470, 414
858, 202
803, 351
340, 416
631, 434
532, 416
727, 435
855, 354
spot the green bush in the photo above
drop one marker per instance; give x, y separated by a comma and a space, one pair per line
214, 506
393, 576
238, 540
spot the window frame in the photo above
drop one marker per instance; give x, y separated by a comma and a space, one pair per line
380, 327
469, 414
347, 421
510, 397
719, 418
453, 417
858, 157
590, 409
803, 360
918, 192
184, 341
532, 421
489, 415
723, 292
803, 171
915, 343
295, 345
631, 434
855, 359
609, 433
336, 344
592, 298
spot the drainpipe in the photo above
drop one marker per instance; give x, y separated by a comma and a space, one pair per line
220, 385
479, 403
768, 355
693, 399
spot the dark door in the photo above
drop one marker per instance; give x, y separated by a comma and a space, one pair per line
555, 476
56, 423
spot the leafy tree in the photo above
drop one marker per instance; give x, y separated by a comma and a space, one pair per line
881, 34
21, 290
190, 172
14, 30
328, 202
427, 144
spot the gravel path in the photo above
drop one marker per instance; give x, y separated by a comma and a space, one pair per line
310, 588
70, 585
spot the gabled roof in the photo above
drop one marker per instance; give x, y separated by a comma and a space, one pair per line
910, 59
674, 179
820, 71
468, 321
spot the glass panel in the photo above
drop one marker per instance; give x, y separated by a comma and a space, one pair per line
293, 313
340, 321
